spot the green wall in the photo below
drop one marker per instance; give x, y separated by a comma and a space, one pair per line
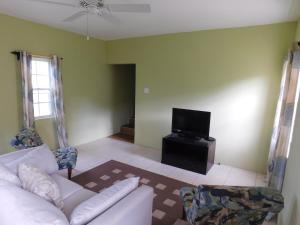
88, 85
291, 190
234, 73
298, 31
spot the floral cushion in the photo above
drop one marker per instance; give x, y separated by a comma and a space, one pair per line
66, 157
224, 205
26, 138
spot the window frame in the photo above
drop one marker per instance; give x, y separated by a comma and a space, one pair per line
42, 59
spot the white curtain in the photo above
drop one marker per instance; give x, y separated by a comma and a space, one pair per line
58, 103
284, 120
27, 95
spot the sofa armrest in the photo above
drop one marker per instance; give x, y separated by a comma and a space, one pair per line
134, 209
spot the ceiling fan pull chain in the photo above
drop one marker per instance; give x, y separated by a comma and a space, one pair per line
87, 25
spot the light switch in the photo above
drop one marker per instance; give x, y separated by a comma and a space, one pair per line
146, 90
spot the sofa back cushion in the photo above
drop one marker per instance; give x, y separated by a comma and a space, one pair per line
12, 156
23, 207
40, 157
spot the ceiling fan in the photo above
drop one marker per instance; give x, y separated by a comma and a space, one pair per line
99, 7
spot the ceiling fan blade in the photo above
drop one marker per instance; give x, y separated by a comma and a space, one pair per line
134, 8
75, 16
110, 18
54, 2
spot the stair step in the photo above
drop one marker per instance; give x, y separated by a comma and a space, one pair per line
126, 130
131, 121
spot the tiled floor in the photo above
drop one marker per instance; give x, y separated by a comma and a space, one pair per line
103, 150
106, 149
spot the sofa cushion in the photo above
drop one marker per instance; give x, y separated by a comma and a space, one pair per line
6, 174
23, 207
75, 199
12, 156
91, 208
66, 187
40, 157
40, 183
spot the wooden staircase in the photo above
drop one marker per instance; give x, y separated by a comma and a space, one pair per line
128, 129
126, 132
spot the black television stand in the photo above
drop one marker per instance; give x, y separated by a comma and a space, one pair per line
188, 153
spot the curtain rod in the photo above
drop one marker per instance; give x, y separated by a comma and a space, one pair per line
17, 53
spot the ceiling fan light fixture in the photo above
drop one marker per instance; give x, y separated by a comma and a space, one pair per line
88, 4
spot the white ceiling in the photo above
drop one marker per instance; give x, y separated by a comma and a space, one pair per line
168, 16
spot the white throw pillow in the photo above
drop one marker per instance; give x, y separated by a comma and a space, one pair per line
91, 208
38, 182
22, 207
40, 157
7, 175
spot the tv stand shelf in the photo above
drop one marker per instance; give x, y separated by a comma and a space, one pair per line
189, 153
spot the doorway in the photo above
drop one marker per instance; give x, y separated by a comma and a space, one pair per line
124, 82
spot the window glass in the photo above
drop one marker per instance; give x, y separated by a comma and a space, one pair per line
40, 68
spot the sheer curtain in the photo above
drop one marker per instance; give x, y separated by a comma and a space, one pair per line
66, 155
284, 120
27, 95
57, 102
56, 93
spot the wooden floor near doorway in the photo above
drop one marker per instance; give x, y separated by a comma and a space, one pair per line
123, 137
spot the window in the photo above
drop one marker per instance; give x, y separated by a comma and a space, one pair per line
40, 68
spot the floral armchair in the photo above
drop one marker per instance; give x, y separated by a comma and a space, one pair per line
26, 138
29, 138
225, 205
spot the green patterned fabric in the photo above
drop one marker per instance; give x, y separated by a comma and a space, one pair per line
223, 205
26, 138
66, 157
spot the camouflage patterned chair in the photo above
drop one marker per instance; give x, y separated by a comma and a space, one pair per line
224, 205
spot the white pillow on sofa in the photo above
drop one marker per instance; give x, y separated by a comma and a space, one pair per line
40, 183
40, 157
7, 175
91, 208
22, 207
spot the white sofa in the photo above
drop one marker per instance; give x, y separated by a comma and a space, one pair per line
133, 209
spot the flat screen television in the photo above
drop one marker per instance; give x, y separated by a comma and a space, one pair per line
191, 123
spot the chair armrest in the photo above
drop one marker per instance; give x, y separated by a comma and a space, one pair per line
134, 209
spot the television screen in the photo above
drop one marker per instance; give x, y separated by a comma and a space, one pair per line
191, 122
